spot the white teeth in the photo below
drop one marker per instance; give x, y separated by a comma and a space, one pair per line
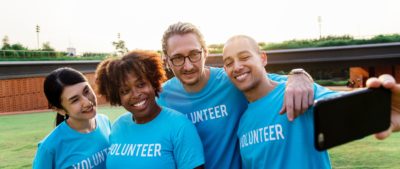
140, 103
241, 77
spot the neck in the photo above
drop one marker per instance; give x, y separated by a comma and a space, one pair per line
205, 76
142, 120
260, 90
82, 126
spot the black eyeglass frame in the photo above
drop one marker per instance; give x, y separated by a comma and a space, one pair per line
191, 54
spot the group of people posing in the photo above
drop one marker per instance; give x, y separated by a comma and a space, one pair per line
204, 117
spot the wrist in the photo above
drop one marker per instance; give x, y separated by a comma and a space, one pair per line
300, 71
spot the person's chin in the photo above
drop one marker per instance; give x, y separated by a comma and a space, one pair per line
242, 86
90, 113
189, 80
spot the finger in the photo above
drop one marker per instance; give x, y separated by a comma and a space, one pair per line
387, 81
304, 103
396, 90
289, 104
283, 109
384, 134
373, 82
297, 102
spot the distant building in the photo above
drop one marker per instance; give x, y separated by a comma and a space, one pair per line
71, 51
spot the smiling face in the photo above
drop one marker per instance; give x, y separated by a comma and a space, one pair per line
190, 73
79, 102
137, 96
244, 63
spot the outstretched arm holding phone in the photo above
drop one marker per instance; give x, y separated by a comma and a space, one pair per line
388, 82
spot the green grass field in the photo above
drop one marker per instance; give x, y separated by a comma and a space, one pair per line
19, 135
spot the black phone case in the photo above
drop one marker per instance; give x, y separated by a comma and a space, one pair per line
351, 116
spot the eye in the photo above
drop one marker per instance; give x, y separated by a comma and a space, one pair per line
244, 57
177, 57
74, 100
86, 91
228, 62
141, 84
195, 53
124, 91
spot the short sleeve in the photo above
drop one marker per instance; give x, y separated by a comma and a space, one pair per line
188, 149
277, 78
43, 159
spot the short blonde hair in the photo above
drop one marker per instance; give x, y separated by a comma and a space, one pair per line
181, 28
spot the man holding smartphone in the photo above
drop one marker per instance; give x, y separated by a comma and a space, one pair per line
266, 138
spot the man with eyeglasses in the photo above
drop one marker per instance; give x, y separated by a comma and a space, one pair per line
209, 99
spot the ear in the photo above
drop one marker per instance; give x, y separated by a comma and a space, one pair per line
60, 111
166, 63
264, 58
205, 52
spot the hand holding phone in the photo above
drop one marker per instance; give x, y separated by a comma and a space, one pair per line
351, 116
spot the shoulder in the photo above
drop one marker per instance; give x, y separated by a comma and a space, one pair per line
102, 118
277, 77
171, 113
323, 92
54, 138
124, 118
171, 83
174, 116
218, 73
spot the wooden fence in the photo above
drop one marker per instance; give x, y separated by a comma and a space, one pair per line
25, 94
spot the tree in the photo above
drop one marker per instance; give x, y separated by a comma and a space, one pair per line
46, 47
6, 43
120, 46
18, 46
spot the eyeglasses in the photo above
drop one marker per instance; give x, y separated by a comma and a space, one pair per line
179, 60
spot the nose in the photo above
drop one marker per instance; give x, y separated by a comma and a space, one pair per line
187, 64
135, 93
86, 102
237, 66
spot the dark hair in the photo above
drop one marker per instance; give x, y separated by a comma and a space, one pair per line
111, 74
54, 85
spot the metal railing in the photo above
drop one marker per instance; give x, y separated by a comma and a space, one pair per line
48, 54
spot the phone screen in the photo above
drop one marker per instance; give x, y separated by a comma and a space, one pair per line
351, 116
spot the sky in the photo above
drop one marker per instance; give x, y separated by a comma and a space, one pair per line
92, 25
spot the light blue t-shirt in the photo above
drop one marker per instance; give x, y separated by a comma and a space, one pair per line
167, 141
215, 111
269, 140
66, 148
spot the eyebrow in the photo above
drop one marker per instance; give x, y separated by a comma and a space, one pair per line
76, 96
72, 98
190, 52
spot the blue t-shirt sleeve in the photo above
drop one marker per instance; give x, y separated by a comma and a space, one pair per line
277, 78
323, 92
44, 159
188, 149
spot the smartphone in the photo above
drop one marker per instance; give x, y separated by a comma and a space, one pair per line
351, 116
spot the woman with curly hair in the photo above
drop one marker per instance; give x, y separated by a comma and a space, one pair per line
149, 135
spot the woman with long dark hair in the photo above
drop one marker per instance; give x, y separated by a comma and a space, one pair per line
81, 136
